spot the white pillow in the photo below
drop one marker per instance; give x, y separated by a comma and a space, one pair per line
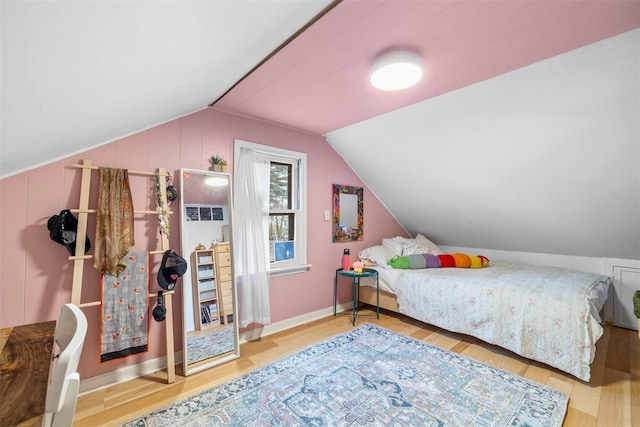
376, 256
403, 246
412, 247
433, 248
395, 246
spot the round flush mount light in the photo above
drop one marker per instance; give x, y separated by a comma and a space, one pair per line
396, 70
216, 181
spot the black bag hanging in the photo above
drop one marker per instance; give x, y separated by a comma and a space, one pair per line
63, 229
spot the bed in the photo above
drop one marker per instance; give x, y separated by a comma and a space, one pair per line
548, 314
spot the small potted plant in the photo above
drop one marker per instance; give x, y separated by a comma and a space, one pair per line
223, 165
216, 163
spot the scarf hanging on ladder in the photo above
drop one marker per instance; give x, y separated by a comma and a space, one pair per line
125, 302
114, 221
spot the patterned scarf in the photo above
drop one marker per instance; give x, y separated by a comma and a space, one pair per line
114, 226
125, 305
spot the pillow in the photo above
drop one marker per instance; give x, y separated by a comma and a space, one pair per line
478, 261
447, 260
395, 246
408, 262
434, 249
403, 246
415, 261
458, 260
462, 260
376, 256
411, 247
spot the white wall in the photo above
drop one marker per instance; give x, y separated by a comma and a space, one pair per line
544, 159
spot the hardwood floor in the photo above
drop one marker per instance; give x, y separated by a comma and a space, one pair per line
611, 398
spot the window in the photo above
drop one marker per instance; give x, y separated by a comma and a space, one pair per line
285, 227
282, 216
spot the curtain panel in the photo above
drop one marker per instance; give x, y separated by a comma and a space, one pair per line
251, 212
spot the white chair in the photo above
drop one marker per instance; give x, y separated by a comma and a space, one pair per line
64, 381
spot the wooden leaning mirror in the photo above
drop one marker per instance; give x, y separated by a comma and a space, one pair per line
348, 204
210, 332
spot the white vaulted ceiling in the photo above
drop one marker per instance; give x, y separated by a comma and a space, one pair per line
76, 75
80, 74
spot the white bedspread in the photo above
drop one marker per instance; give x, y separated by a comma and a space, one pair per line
546, 314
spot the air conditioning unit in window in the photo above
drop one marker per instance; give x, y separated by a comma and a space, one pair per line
282, 251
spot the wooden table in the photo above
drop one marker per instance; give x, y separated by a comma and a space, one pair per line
25, 360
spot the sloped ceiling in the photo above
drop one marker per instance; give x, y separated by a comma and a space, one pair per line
529, 150
543, 159
319, 82
80, 74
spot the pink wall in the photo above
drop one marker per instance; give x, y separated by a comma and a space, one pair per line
35, 274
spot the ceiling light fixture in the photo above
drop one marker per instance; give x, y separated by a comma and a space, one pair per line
396, 70
216, 181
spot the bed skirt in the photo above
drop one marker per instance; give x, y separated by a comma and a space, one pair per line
388, 300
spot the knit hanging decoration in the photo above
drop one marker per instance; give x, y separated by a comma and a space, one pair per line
161, 209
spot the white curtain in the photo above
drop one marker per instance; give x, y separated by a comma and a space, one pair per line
251, 216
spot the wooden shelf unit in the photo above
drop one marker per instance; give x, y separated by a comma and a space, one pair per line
212, 286
205, 292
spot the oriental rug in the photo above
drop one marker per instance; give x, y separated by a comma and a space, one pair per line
210, 344
369, 376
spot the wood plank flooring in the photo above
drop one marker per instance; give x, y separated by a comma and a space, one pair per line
610, 399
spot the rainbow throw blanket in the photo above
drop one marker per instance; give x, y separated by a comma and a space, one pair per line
458, 260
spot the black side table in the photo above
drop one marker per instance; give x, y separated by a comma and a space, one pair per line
366, 272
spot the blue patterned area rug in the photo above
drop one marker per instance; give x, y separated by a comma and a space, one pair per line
370, 376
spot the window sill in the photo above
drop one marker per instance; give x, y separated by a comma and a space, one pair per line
289, 270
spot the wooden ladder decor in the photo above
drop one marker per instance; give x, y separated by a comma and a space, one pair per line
80, 257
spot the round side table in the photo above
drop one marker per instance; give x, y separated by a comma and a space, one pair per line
366, 272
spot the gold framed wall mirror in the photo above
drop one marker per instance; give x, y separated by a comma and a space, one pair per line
210, 332
348, 218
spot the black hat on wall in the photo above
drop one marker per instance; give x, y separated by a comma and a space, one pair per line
63, 229
173, 266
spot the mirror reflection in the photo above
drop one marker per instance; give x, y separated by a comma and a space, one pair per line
210, 332
347, 213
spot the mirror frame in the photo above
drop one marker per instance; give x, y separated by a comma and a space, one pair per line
339, 233
187, 302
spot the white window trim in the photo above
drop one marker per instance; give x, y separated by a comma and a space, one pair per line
301, 265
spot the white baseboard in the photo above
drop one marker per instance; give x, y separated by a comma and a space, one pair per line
127, 373
272, 328
147, 367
